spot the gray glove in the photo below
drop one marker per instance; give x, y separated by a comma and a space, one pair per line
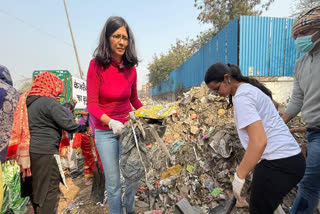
116, 126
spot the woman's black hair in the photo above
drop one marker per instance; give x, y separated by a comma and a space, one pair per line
217, 71
69, 105
102, 54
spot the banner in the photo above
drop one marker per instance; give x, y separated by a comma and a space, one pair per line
79, 89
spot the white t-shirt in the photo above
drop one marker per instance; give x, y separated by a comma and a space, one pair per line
250, 105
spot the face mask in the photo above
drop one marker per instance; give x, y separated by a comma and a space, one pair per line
305, 44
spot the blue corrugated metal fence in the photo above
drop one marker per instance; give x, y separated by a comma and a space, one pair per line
266, 48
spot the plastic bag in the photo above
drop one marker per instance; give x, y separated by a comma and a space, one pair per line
154, 112
12, 189
130, 165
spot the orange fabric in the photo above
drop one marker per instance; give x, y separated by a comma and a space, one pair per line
46, 85
64, 144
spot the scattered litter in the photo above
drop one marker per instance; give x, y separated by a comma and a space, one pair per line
216, 192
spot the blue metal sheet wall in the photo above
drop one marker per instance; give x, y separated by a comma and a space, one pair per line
232, 43
221, 48
254, 45
266, 46
291, 53
277, 46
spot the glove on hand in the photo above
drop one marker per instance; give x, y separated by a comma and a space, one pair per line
116, 126
237, 186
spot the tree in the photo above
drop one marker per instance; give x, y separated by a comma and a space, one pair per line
302, 5
160, 67
220, 12
201, 39
25, 85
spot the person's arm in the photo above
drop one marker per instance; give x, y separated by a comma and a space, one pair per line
300, 129
60, 116
68, 112
286, 117
256, 146
134, 99
93, 91
296, 100
248, 119
105, 119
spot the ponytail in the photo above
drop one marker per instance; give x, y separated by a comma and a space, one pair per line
217, 71
236, 74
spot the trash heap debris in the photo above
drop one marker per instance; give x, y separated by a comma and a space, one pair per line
203, 142
196, 167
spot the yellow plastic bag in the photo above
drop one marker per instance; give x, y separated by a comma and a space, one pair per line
155, 112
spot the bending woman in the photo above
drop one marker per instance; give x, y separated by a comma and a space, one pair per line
271, 150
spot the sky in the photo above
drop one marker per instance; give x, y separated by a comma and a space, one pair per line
35, 35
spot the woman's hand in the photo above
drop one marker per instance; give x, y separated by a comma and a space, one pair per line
237, 186
89, 132
116, 126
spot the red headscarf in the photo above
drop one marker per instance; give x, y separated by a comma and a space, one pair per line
45, 85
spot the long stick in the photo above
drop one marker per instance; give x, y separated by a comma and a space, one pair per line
161, 143
74, 44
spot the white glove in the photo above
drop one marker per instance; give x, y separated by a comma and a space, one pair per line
116, 126
237, 186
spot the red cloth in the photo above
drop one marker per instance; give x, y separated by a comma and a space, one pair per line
76, 140
89, 160
110, 91
64, 144
45, 85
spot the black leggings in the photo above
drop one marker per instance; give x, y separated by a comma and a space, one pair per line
273, 180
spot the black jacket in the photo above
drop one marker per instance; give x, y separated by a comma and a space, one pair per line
47, 118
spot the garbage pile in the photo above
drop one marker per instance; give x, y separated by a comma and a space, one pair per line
203, 142
202, 139
195, 169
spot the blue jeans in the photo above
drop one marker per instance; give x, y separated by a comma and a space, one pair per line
309, 187
109, 149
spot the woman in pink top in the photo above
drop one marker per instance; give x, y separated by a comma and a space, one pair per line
112, 89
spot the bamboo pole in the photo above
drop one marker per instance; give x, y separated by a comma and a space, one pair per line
74, 44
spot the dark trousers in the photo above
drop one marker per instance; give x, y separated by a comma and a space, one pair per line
273, 180
45, 183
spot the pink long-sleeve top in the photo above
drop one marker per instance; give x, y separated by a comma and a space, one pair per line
111, 91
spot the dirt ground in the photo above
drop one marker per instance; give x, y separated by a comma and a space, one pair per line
78, 194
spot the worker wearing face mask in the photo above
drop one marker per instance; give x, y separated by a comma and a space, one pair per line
305, 98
